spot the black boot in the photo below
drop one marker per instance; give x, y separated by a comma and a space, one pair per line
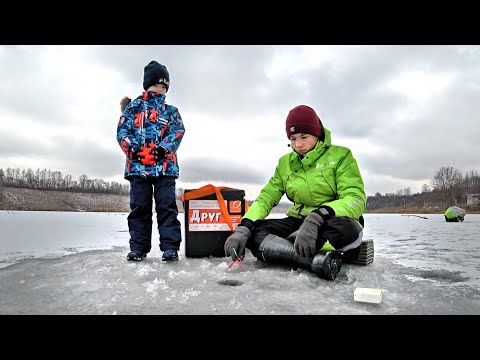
136, 255
279, 251
327, 264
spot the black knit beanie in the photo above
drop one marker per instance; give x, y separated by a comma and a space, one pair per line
155, 73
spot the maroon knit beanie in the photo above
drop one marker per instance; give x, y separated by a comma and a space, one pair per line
303, 119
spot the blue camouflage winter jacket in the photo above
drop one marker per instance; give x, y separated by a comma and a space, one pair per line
149, 119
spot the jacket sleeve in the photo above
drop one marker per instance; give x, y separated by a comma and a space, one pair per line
174, 132
351, 200
125, 132
269, 197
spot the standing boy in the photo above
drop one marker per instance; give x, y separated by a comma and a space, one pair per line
149, 133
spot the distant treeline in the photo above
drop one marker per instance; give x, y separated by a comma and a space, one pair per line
448, 187
54, 180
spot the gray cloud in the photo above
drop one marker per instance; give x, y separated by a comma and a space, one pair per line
229, 88
198, 169
27, 90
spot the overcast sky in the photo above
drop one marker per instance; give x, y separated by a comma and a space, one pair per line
404, 111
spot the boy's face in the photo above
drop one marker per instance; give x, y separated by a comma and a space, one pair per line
303, 143
159, 88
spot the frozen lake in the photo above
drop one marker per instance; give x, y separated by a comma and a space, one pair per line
428, 244
423, 266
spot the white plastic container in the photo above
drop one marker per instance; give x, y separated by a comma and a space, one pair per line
368, 295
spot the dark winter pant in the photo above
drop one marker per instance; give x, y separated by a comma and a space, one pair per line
343, 234
140, 218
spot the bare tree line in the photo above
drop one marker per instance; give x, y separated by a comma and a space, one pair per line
454, 186
447, 187
54, 180
450, 183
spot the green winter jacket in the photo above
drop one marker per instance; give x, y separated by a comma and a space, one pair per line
327, 175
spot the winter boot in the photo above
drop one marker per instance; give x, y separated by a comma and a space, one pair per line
136, 255
327, 264
279, 251
170, 255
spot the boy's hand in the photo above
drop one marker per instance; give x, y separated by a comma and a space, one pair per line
237, 241
133, 153
159, 153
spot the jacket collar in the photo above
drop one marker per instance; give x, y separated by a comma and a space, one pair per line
147, 95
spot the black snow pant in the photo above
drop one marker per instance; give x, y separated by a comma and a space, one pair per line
343, 233
140, 221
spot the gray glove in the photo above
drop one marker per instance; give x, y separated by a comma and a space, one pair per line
237, 241
306, 241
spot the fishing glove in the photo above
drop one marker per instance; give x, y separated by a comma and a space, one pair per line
159, 153
133, 153
237, 241
309, 232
